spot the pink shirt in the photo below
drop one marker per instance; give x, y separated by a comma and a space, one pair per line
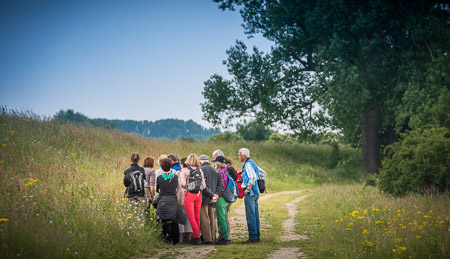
185, 173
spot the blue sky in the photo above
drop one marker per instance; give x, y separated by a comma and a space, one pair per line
139, 60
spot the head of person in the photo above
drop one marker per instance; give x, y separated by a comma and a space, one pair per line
192, 160
203, 159
244, 154
149, 162
217, 153
173, 158
165, 164
228, 161
220, 162
183, 162
135, 158
161, 157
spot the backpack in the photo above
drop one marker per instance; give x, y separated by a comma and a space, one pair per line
137, 182
195, 181
261, 180
239, 181
230, 194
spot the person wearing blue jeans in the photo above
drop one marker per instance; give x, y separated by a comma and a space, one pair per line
250, 173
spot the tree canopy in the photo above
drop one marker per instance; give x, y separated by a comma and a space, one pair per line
362, 67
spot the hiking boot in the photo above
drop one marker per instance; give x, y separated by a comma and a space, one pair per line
223, 242
194, 241
250, 241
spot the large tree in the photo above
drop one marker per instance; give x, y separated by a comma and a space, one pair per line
340, 64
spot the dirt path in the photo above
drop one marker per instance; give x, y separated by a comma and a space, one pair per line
239, 231
289, 233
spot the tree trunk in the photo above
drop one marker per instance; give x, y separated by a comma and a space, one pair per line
371, 142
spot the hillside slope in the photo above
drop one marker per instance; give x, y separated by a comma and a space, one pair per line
62, 189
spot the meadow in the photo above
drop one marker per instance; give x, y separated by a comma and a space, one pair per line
62, 196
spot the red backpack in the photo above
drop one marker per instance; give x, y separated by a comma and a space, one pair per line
239, 181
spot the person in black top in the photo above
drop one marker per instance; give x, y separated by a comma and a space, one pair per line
134, 183
168, 209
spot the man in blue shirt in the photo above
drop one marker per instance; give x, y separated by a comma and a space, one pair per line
250, 174
175, 162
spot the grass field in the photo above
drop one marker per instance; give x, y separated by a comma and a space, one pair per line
62, 196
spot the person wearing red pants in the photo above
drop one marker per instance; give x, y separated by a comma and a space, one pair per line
193, 200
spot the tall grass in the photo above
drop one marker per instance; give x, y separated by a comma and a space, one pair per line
62, 185
358, 222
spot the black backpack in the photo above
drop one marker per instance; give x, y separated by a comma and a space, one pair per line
195, 181
137, 182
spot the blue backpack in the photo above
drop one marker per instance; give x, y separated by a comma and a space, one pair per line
230, 194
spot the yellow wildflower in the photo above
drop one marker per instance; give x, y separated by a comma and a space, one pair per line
365, 211
4, 220
377, 222
348, 229
418, 237
323, 226
34, 180
402, 248
365, 232
360, 217
377, 210
82, 169
398, 240
4, 145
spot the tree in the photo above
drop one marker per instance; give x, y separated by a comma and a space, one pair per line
253, 130
340, 64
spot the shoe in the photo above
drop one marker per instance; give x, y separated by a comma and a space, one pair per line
208, 243
250, 241
223, 242
194, 241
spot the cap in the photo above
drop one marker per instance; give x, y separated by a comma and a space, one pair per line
220, 159
203, 157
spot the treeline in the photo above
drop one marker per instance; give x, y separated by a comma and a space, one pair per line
166, 128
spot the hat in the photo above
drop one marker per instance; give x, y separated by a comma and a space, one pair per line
219, 159
203, 157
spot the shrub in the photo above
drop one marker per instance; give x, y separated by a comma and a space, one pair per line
417, 163
225, 137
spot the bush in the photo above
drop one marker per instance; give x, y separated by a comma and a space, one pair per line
418, 163
225, 137
277, 137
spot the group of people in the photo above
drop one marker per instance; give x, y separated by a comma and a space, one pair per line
188, 195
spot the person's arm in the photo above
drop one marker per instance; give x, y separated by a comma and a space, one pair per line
157, 185
251, 174
126, 179
183, 177
203, 178
220, 185
152, 182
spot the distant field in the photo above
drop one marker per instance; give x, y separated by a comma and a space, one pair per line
62, 189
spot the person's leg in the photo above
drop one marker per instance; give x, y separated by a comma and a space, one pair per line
258, 234
165, 231
205, 223
197, 206
221, 208
174, 233
190, 213
228, 220
212, 222
250, 215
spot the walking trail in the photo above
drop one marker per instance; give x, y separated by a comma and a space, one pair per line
239, 231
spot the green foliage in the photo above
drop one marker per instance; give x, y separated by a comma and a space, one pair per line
70, 116
417, 163
225, 137
253, 130
277, 137
334, 64
358, 222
